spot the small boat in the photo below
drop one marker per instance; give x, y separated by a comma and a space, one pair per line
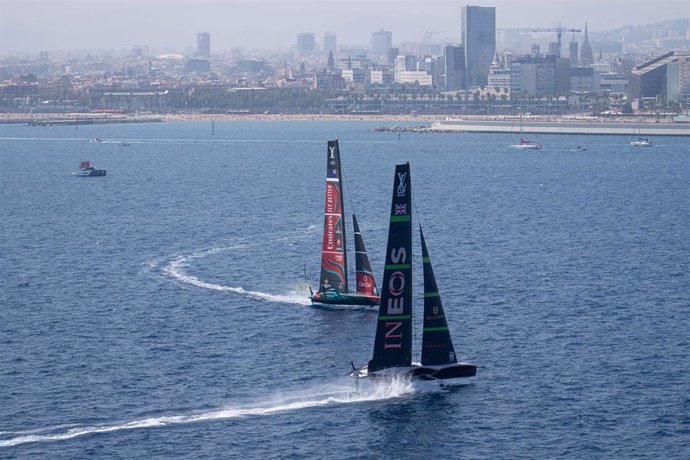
87, 170
525, 144
96, 140
641, 142
124, 144
333, 284
393, 341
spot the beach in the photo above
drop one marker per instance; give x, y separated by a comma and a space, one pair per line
142, 118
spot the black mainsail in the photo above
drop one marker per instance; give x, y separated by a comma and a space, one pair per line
437, 345
333, 284
393, 342
364, 277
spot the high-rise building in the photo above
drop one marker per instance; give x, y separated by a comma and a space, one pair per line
454, 66
573, 54
665, 78
540, 76
554, 49
381, 42
305, 43
203, 45
392, 54
330, 42
586, 55
478, 31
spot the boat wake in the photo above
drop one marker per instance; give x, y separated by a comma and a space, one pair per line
306, 399
176, 268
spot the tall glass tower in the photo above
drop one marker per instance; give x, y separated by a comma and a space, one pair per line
203, 45
381, 42
479, 41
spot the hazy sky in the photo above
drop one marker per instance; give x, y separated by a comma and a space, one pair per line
34, 25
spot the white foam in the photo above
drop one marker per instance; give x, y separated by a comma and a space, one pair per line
279, 404
176, 269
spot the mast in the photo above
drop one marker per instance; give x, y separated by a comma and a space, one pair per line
437, 345
333, 252
364, 277
393, 342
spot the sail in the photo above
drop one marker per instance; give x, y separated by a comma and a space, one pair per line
333, 253
364, 277
437, 346
393, 342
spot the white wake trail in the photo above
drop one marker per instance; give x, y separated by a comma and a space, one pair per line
176, 269
375, 392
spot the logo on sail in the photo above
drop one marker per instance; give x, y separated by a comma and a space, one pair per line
402, 186
400, 209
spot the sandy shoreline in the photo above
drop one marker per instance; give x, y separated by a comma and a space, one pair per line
423, 122
26, 118
426, 119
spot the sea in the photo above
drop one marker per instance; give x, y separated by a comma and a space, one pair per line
152, 313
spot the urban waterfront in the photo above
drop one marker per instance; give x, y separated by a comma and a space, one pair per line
150, 313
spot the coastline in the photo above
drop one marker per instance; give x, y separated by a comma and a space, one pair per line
531, 124
95, 118
124, 118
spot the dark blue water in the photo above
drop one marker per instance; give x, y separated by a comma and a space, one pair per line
150, 313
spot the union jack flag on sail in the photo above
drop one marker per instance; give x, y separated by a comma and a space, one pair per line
401, 209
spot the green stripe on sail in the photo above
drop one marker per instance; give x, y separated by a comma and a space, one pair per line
386, 318
435, 329
432, 294
397, 267
400, 218
426, 260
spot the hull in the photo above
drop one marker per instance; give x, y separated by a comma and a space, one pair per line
526, 146
338, 298
92, 173
419, 372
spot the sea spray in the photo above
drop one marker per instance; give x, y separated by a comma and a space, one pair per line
320, 396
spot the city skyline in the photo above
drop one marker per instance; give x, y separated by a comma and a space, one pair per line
29, 26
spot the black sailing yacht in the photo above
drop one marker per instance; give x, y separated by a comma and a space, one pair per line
393, 342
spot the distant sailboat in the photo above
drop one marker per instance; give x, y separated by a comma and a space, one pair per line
526, 144
639, 141
333, 285
393, 342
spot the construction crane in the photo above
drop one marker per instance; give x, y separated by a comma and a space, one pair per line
559, 32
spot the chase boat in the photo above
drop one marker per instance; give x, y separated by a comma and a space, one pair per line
87, 170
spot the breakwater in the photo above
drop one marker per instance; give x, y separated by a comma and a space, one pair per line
562, 127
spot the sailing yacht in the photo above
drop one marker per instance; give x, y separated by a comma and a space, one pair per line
526, 144
333, 284
393, 342
639, 141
